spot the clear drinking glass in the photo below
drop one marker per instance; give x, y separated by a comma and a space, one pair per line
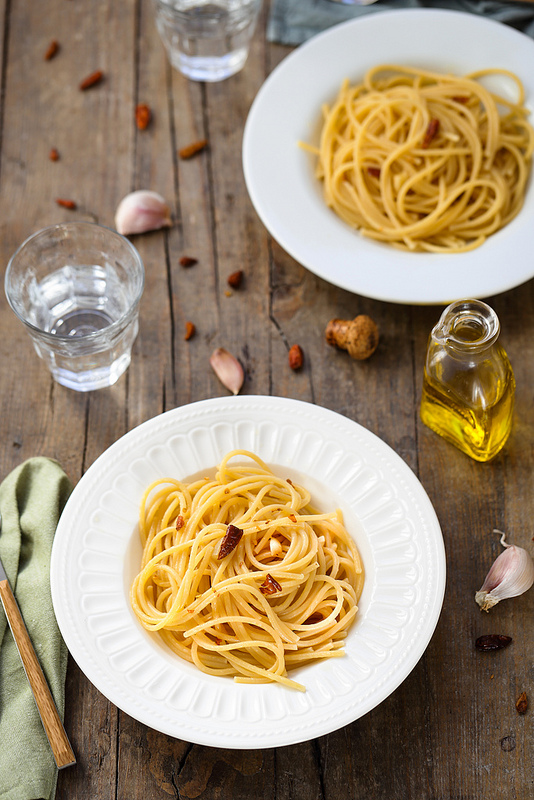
76, 287
207, 41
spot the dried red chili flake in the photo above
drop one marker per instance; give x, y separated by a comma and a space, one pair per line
92, 80
492, 641
192, 149
66, 203
521, 703
179, 522
292, 517
53, 154
431, 132
296, 357
230, 541
143, 115
187, 261
189, 330
235, 279
270, 585
461, 99
374, 171
53, 50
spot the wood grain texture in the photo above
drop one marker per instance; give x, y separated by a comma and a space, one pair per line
59, 743
451, 729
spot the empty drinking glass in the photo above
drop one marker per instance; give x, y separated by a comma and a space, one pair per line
76, 287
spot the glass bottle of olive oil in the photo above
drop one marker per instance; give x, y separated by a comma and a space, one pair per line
468, 385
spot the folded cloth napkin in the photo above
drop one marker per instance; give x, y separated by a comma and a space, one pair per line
32, 498
294, 21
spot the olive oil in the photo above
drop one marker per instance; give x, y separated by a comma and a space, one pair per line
468, 384
479, 431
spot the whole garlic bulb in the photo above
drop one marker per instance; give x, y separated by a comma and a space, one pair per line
511, 574
142, 211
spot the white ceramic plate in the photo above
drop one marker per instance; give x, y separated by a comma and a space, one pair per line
96, 555
288, 198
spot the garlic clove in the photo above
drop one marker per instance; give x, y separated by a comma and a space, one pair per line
228, 369
142, 211
511, 574
275, 546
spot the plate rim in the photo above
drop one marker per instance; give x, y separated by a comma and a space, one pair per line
414, 291
231, 405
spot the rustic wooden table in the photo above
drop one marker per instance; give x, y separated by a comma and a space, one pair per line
451, 730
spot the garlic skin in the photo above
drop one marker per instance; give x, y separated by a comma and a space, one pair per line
228, 369
511, 574
142, 211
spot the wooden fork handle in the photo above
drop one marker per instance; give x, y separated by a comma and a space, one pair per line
63, 753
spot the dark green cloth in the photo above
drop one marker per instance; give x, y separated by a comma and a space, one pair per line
32, 498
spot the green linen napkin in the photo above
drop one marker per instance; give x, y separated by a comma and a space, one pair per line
32, 498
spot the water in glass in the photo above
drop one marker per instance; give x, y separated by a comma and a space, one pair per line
207, 41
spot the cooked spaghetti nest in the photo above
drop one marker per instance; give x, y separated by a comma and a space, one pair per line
282, 597
425, 161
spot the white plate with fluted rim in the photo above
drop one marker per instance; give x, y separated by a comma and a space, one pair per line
96, 555
288, 198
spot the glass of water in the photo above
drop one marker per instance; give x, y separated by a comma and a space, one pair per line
207, 40
76, 287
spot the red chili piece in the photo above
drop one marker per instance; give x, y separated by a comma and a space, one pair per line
430, 133
235, 279
295, 357
143, 115
270, 585
492, 641
231, 539
188, 261
53, 50
66, 203
192, 149
522, 703
92, 80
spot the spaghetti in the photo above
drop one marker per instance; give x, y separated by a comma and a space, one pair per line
424, 161
241, 577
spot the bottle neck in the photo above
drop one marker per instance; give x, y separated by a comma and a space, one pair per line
467, 328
